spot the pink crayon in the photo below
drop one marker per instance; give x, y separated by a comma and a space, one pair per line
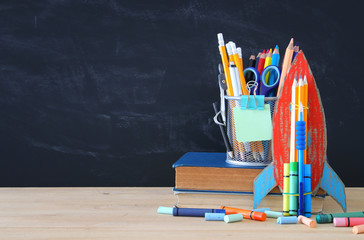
348, 221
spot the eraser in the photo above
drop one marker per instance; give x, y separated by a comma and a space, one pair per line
165, 210
287, 220
214, 216
233, 218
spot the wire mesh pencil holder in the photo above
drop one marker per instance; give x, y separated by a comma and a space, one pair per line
255, 153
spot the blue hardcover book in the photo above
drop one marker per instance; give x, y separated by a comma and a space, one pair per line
204, 172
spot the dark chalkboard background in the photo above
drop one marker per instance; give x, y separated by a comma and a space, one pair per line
111, 93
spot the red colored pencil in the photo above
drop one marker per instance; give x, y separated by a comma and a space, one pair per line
261, 62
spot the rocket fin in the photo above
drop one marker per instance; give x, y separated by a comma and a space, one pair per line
332, 184
263, 184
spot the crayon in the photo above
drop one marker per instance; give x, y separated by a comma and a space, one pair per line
348, 221
247, 214
261, 209
308, 222
233, 218
194, 212
214, 216
287, 220
165, 210
272, 214
328, 218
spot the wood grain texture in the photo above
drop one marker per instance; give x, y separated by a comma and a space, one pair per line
131, 213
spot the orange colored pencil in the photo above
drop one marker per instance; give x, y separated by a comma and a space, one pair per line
285, 65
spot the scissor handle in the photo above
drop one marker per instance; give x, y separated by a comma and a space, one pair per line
257, 77
265, 89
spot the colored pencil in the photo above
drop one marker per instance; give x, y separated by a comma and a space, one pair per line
295, 51
268, 62
286, 65
257, 59
261, 62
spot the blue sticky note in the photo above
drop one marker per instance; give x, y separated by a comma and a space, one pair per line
253, 125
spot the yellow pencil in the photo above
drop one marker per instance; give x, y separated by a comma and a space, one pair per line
225, 63
238, 62
286, 65
268, 62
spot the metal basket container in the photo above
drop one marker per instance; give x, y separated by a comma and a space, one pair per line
255, 153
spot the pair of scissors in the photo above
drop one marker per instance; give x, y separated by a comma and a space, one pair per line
265, 88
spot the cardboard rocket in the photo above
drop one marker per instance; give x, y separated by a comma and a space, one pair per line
322, 175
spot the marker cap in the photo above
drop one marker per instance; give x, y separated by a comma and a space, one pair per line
324, 218
340, 222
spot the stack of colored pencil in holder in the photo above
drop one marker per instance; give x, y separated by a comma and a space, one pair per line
254, 153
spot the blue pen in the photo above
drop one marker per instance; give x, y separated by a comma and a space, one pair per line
300, 146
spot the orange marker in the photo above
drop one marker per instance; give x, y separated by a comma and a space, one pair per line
247, 214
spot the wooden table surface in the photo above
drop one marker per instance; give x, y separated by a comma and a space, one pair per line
131, 213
